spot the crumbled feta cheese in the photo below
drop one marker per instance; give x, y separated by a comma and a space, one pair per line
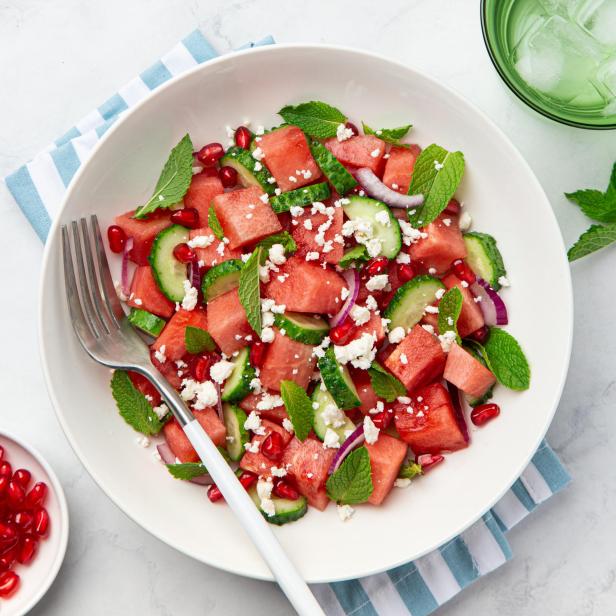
258, 154
312, 256
438, 166
465, 221
371, 432
343, 133
205, 393
373, 247
371, 304
396, 334
264, 491
404, 359
378, 282
360, 353
344, 293
464, 283
428, 328
287, 425
221, 371
410, 235
308, 224
432, 309
159, 354
276, 254
278, 471
161, 410
345, 512
191, 296
138, 301
403, 257
267, 334
319, 351
447, 339
142, 441
332, 416
447, 222
268, 402
432, 271
360, 315
403, 399
253, 422
375, 153
252, 447
402, 483
503, 282
331, 440
382, 217
296, 210
292, 179
201, 241
439, 293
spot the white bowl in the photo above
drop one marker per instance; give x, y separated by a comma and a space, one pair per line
37, 577
504, 198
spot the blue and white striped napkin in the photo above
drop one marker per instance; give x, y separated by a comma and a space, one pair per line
417, 588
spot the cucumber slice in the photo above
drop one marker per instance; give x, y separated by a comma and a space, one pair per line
242, 161
323, 400
302, 327
221, 278
237, 435
338, 381
484, 258
300, 196
169, 273
385, 227
285, 510
334, 170
146, 321
237, 386
409, 302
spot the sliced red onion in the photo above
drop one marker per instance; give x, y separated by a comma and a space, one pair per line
355, 439
164, 451
376, 189
351, 276
457, 400
492, 306
219, 403
195, 275
128, 246
202, 480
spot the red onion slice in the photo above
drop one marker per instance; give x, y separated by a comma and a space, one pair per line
457, 400
354, 440
164, 451
492, 306
195, 276
128, 246
351, 276
376, 189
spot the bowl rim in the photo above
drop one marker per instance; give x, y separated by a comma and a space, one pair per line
518, 92
276, 49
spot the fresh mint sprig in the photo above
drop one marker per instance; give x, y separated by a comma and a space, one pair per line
284, 238
315, 118
198, 340
389, 135
357, 254
385, 385
214, 224
449, 309
299, 408
352, 483
250, 290
506, 359
187, 470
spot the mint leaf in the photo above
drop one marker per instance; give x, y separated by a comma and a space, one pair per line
214, 224
507, 360
250, 290
410, 470
436, 175
187, 470
133, 405
174, 179
449, 309
389, 135
315, 118
385, 385
595, 238
600, 206
284, 238
351, 484
299, 408
198, 340
356, 254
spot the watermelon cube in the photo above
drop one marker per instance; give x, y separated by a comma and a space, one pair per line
179, 443
200, 193
467, 373
173, 335
430, 423
287, 155
145, 294
216, 252
227, 322
359, 151
308, 288
399, 167
374, 327
244, 217
386, 457
257, 463
278, 414
145, 387
287, 360
143, 232
306, 231
442, 247
471, 317
425, 359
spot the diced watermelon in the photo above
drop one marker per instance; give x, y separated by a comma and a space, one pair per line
399, 167
143, 232
145, 294
442, 247
359, 151
227, 319
425, 359
145, 387
173, 335
245, 219
373, 327
178, 441
366, 395
471, 317
305, 237
170, 371
278, 414
258, 463
308, 288
287, 360
386, 457
211, 255
433, 425
467, 373
200, 193
287, 155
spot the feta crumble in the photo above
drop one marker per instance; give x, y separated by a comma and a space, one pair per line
331, 440
345, 512
343, 133
191, 296
221, 371
396, 335
371, 432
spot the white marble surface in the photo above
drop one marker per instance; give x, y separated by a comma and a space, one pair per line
60, 59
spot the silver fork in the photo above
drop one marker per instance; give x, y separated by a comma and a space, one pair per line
106, 335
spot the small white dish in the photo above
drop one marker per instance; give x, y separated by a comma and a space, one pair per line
37, 577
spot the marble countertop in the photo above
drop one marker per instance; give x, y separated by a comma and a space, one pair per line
60, 59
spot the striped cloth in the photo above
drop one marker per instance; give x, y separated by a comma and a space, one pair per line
417, 588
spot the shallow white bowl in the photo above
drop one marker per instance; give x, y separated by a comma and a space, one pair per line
500, 192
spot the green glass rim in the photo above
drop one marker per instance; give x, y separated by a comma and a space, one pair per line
525, 99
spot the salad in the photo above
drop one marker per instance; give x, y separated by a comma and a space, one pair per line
315, 293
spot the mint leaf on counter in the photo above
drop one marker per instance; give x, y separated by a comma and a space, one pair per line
299, 408
389, 135
507, 360
352, 484
134, 407
198, 340
315, 118
595, 238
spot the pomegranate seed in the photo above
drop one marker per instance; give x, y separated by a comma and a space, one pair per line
428, 460
210, 154
8, 533
284, 490
353, 128
1, 452
272, 446
383, 419
4, 484
343, 331
27, 550
41, 521
184, 253
405, 272
213, 493
9, 581
257, 354
483, 413
480, 335
453, 207
248, 479
117, 238
243, 137
6, 470
37, 494
15, 493
200, 368
228, 176
23, 520
187, 217
376, 266
210, 172
8, 558
23, 476
463, 271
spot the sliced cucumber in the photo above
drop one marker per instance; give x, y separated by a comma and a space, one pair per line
338, 381
169, 273
323, 400
237, 386
302, 327
237, 435
409, 302
300, 196
386, 230
221, 278
285, 510
485, 258
146, 321
472, 400
334, 170
243, 162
